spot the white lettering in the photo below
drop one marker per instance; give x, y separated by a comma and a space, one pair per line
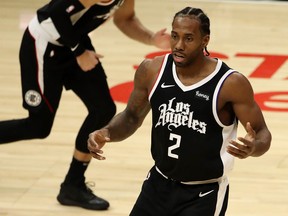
176, 114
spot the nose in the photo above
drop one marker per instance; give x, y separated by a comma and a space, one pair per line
179, 45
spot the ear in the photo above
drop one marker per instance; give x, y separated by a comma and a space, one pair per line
205, 41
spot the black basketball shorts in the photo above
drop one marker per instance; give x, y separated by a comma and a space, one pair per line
163, 197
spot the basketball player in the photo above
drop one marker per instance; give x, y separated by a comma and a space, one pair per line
196, 102
56, 51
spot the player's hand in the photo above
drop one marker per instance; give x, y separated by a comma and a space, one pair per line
88, 60
95, 143
161, 39
246, 146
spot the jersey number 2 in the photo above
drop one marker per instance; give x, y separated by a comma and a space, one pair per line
177, 138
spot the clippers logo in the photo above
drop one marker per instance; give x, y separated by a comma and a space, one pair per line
176, 114
33, 98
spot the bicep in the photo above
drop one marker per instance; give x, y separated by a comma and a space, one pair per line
250, 113
138, 105
244, 105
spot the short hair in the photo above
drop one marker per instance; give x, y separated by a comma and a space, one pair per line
198, 14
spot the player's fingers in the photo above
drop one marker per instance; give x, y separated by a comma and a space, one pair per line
239, 146
97, 156
250, 130
238, 149
99, 137
97, 55
162, 31
236, 152
246, 142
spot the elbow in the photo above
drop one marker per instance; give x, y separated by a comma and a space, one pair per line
120, 24
269, 140
263, 146
117, 22
123, 21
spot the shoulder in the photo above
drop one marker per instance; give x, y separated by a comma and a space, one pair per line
236, 87
148, 70
154, 63
151, 66
236, 79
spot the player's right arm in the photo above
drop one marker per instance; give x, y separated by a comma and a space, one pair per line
128, 121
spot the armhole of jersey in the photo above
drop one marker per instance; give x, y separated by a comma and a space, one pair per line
216, 94
161, 70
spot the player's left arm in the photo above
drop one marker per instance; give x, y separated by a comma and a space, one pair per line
126, 20
257, 141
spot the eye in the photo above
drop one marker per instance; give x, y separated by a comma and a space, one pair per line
189, 38
173, 36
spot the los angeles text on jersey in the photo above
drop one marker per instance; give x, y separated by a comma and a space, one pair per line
177, 114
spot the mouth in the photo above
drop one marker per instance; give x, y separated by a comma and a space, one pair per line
178, 57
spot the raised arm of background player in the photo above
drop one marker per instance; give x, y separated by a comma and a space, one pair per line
124, 18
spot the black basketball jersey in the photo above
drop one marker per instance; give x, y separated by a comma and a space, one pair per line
188, 140
68, 22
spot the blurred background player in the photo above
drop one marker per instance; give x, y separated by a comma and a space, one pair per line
57, 52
